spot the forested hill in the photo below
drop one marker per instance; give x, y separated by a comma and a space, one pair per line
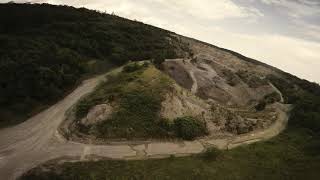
46, 49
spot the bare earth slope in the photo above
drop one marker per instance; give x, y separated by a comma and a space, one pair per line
37, 140
220, 76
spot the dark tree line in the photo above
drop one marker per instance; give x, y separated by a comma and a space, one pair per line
45, 49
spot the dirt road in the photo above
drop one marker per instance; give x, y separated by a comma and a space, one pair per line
37, 140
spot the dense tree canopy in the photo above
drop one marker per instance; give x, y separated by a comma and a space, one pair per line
45, 49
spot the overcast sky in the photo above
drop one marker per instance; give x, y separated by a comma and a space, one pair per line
282, 33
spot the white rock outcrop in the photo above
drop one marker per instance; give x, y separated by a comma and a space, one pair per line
97, 114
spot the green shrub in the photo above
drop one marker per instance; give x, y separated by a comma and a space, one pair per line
272, 98
189, 128
165, 124
261, 106
158, 60
131, 67
211, 154
306, 113
146, 64
253, 80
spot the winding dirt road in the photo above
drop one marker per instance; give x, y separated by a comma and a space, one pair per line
37, 140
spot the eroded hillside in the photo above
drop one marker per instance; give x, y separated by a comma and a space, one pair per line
228, 95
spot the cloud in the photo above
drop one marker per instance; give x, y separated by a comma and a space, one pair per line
308, 29
211, 9
296, 8
206, 9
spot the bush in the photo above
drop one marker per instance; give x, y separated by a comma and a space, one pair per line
253, 80
306, 113
165, 124
189, 128
159, 59
261, 106
131, 67
272, 98
211, 154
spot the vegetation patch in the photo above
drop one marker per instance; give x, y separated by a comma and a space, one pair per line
251, 79
272, 98
189, 128
268, 99
138, 92
211, 154
231, 78
261, 105
45, 50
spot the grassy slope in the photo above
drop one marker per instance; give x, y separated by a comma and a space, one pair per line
283, 157
46, 49
137, 95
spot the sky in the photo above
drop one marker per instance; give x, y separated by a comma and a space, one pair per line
282, 33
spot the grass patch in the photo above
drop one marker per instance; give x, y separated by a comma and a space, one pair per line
138, 92
136, 117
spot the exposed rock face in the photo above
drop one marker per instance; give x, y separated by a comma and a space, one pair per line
239, 125
181, 76
220, 76
180, 103
97, 114
227, 87
241, 121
